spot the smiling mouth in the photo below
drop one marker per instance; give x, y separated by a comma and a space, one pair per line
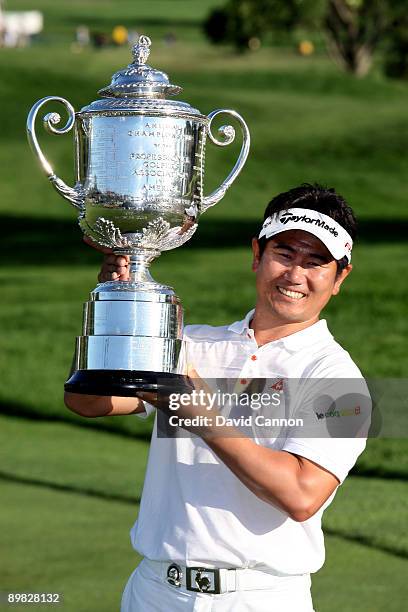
295, 295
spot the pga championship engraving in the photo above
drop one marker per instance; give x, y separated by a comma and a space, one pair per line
139, 160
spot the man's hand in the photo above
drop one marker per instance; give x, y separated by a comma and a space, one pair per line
190, 408
114, 267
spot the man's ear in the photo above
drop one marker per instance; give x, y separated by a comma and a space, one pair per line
340, 278
256, 254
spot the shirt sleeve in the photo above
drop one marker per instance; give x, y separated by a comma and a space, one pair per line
333, 417
148, 409
338, 457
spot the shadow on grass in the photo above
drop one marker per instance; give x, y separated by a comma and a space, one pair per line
54, 486
108, 22
37, 241
110, 426
365, 541
132, 500
16, 410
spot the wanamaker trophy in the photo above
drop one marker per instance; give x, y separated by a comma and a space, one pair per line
139, 190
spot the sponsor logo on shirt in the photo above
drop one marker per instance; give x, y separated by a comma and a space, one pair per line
338, 413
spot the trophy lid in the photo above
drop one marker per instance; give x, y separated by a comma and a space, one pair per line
138, 79
140, 89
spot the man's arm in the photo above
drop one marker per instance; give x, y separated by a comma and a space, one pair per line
295, 484
99, 405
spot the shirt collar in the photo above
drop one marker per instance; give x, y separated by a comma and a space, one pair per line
241, 327
303, 338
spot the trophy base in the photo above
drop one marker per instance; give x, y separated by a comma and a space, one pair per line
126, 383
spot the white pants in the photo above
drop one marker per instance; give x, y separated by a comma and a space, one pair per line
147, 592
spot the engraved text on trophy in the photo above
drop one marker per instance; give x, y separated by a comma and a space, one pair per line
142, 166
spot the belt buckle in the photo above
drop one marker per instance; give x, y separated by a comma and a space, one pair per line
174, 575
203, 580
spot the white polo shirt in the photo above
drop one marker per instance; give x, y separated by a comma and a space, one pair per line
194, 510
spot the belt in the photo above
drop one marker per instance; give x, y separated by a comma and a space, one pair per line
217, 580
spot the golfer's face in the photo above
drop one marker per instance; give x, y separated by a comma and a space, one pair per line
295, 277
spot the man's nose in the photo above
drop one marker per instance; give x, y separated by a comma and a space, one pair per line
295, 274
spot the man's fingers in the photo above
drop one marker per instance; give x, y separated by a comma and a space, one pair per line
106, 275
103, 277
116, 260
109, 259
114, 266
199, 383
122, 261
113, 272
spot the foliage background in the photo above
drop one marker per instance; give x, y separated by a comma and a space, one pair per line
70, 486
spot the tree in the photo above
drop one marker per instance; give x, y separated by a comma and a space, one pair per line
352, 28
396, 50
240, 20
216, 25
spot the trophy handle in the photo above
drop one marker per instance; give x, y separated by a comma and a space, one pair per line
228, 133
72, 194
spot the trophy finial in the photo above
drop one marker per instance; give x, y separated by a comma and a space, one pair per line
138, 79
141, 50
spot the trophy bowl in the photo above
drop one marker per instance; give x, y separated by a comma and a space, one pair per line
139, 161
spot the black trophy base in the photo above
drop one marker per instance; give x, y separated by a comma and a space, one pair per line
126, 383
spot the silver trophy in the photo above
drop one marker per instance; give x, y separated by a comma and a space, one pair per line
139, 190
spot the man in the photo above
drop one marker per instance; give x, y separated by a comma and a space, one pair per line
232, 523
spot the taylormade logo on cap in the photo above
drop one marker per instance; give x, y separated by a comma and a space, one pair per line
288, 216
332, 234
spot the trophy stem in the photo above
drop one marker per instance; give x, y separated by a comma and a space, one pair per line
140, 278
139, 263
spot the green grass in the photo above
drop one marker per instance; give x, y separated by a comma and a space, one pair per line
72, 497
37, 349
307, 121
41, 329
82, 551
356, 580
354, 515
59, 542
65, 457
112, 467
156, 17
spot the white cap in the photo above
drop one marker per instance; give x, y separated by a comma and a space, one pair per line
331, 233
